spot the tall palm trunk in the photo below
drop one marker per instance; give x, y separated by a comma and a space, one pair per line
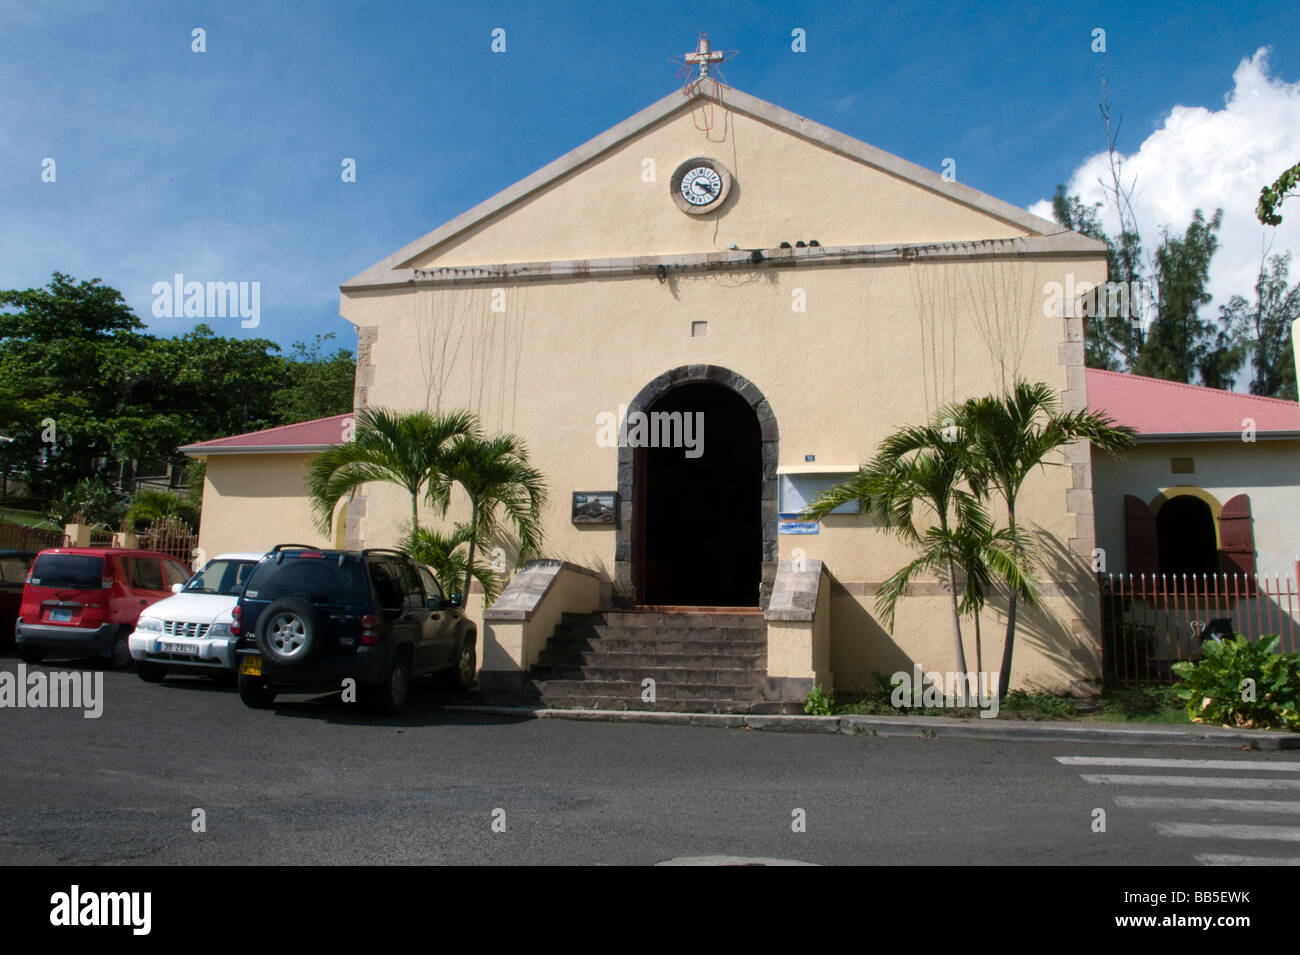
980, 692
956, 622
473, 536
956, 629
1004, 676
415, 514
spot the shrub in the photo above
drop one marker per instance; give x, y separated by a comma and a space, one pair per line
1244, 684
90, 501
1039, 706
879, 701
819, 703
1139, 701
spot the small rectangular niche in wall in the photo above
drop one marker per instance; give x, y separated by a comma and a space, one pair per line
798, 486
1182, 466
699, 329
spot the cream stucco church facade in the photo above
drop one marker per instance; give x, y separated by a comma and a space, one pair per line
804, 294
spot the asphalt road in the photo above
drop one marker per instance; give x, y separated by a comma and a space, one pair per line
317, 781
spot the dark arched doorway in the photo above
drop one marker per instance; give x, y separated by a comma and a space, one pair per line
1185, 537
698, 509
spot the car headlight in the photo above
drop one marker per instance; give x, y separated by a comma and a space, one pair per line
220, 630
149, 625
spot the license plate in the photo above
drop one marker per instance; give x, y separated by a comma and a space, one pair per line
61, 616
189, 649
250, 665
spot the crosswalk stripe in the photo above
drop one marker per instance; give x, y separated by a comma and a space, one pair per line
1206, 782
1202, 830
1214, 859
1147, 763
1186, 802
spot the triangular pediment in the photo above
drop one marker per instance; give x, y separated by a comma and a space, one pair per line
792, 180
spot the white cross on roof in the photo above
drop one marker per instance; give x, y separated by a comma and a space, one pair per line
704, 55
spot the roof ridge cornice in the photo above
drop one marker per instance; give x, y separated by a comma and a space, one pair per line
1064, 243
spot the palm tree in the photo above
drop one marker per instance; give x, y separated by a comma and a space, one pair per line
400, 448
1011, 435
987, 555
151, 506
446, 555
916, 467
494, 473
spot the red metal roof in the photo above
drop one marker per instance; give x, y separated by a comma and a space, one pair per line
1153, 406
306, 434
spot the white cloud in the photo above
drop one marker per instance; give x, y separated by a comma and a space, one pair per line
1211, 159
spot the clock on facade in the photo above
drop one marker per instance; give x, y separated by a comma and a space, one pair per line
700, 185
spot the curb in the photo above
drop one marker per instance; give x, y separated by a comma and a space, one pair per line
929, 727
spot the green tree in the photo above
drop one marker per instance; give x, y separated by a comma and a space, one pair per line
83, 390
218, 386
70, 360
1010, 436
408, 449
1179, 342
1111, 341
495, 475
1263, 329
316, 384
1270, 197
89, 501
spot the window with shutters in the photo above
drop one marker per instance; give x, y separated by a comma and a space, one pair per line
1182, 539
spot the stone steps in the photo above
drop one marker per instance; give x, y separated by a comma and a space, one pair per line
678, 621
656, 646
631, 690
640, 658
723, 676
713, 662
621, 703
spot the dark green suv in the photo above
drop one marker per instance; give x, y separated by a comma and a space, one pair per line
310, 619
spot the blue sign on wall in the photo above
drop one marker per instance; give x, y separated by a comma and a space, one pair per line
790, 524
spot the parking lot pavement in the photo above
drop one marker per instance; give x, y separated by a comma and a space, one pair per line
316, 780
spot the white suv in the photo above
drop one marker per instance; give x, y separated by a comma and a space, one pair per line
190, 632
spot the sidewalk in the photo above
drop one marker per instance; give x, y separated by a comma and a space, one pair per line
932, 727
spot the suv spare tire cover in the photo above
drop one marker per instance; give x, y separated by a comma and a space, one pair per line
287, 634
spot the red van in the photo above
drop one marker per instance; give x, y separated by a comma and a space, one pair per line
80, 601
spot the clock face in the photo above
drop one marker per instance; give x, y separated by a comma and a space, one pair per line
701, 185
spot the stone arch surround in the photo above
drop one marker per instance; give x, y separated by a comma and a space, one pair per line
624, 594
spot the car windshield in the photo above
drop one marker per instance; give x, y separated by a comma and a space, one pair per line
317, 578
74, 571
222, 577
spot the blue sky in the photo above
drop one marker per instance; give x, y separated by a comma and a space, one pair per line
225, 165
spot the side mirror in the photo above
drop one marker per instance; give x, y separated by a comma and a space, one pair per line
457, 600
177, 588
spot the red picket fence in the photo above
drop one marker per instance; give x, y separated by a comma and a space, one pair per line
1151, 621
